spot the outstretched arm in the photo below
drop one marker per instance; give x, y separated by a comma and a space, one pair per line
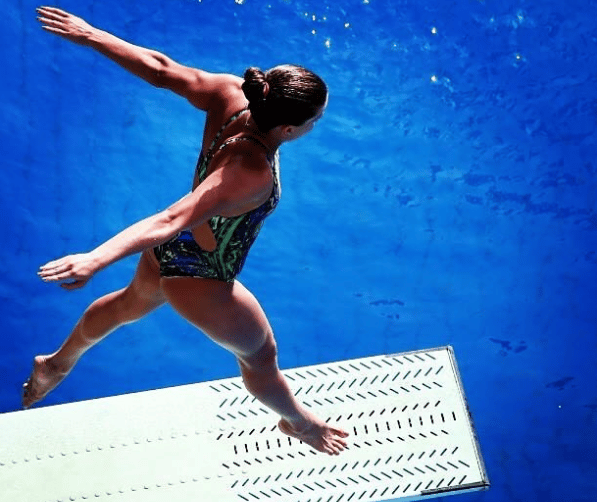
227, 192
199, 87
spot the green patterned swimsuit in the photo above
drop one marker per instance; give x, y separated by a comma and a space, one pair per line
183, 257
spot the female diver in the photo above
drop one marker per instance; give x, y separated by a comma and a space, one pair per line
192, 251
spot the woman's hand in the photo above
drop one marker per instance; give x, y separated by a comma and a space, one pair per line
64, 24
77, 269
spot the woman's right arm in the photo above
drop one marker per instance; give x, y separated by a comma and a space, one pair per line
198, 86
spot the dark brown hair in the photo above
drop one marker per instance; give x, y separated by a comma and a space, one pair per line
292, 95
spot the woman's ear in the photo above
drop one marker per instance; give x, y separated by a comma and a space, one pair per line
288, 131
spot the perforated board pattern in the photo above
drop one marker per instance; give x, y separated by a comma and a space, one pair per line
411, 437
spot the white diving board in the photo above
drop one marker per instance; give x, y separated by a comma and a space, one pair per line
411, 438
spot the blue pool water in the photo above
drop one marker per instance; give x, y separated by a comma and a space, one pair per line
447, 197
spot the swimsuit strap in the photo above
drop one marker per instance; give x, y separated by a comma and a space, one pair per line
245, 138
204, 160
210, 151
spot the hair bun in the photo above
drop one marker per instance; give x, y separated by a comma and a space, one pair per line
283, 95
255, 85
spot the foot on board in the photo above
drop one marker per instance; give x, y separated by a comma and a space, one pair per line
317, 434
44, 378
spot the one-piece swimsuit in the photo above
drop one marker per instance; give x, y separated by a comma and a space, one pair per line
181, 256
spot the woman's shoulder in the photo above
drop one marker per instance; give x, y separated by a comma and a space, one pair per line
224, 85
231, 96
208, 90
227, 99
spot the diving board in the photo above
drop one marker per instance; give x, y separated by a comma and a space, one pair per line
411, 438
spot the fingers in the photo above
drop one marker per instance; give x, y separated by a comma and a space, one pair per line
55, 30
53, 263
52, 269
71, 270
57, 277
53, 11
58, 270
47, 21
52, 26
64, 24
50, 18
53, 20
75, 283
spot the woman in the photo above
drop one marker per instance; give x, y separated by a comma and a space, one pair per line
192, 251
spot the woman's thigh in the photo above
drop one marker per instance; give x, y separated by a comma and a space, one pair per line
226, 312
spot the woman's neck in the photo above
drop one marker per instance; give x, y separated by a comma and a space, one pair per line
271, 139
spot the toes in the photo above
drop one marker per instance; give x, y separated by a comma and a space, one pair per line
29, 396
334, 447
329, 442
341, 433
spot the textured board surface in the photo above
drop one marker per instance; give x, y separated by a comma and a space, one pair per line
411, 437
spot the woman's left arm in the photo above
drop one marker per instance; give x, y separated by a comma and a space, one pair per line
226, 191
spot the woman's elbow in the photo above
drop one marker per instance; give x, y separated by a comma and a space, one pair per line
161, 78
159, 70
172, 222
165, 226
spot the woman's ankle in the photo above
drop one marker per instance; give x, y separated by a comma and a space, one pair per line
60, 364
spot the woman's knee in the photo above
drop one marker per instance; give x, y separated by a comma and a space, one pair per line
134, 303
263, 359
143, 294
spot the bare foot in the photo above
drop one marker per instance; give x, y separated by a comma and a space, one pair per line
44, 378
317, 434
